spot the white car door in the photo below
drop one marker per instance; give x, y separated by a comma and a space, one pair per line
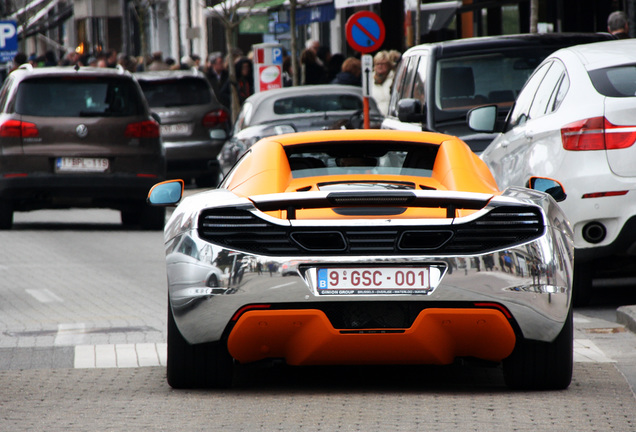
532, 144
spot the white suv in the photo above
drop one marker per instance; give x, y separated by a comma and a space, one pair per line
575, 121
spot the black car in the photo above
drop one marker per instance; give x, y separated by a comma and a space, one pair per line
78, 137
194, 124
437, 84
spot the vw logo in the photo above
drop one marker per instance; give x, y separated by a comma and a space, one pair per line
81, 131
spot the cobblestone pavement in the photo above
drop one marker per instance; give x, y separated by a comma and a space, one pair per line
329, 399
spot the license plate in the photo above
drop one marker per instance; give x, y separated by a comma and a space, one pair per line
73, 164
177, 129
380, 280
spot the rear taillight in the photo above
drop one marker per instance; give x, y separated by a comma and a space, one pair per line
143, 129
18, 129
597, 133
215, 118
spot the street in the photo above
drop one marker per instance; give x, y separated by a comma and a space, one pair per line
82, 347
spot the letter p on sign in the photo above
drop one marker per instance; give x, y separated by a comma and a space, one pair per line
7, 32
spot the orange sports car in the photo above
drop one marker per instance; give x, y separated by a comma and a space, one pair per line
363, 247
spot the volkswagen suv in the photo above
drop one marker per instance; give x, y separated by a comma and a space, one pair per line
78, 137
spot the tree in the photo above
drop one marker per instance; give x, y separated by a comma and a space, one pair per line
228, 13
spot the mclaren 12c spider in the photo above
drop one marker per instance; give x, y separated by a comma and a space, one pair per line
362, 247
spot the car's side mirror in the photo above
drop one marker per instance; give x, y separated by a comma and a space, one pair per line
410, 111
166, 193
549, 186
483, 119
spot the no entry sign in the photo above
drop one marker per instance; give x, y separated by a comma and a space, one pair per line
365, 32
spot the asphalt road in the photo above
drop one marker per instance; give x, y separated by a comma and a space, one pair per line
82, 347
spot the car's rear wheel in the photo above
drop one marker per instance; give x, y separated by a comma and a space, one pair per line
153, 218
535, 365
582, 284
6, 215
206, 365
149, 218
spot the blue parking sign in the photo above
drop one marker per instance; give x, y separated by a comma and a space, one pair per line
8, 40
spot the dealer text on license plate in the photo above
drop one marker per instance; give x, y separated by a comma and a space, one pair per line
76, 164
380, 280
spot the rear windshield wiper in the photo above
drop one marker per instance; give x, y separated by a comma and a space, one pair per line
92, 113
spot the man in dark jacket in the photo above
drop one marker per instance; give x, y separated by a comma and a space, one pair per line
218, 75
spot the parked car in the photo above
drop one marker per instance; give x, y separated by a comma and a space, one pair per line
574, 121
296, 109
194, 124
436, 84
78, 137
377, 225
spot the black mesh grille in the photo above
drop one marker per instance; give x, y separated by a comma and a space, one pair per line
241, 230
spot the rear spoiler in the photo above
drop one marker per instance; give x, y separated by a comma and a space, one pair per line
451, 201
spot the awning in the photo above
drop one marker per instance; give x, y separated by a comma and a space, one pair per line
436, 16
239, 7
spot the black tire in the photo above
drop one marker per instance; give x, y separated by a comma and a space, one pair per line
152, 218
130, 218
206, 365
535, 365
582, 284
6, 215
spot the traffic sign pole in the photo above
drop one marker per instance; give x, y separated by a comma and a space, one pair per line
367, 75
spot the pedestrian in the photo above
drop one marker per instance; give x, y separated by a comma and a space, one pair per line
244, 79
618, 24
217, 74
157, 63
383, 73
350, 73
18, 60
334, 66
312, 70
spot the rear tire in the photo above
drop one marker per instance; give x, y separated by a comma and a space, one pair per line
535, 365
153, 218
6, 215
207, 365
582, 284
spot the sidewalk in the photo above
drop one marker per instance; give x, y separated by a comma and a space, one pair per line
626, 315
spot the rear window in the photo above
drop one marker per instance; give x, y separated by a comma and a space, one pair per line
78, 97
176, 92
465, 82
319, 103
388, 158
618, 81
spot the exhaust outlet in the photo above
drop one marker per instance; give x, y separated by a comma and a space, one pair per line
594, 232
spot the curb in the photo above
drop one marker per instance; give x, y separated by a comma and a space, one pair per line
626, 315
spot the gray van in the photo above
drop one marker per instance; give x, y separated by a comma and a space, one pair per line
437, 84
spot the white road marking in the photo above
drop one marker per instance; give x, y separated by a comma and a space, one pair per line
585, 351
70, 334
44, 295
120, 355
155, 354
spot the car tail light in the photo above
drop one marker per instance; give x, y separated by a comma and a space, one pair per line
215, 118
18, 129
143, 129
597, 133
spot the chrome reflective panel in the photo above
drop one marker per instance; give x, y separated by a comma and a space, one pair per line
530, 280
